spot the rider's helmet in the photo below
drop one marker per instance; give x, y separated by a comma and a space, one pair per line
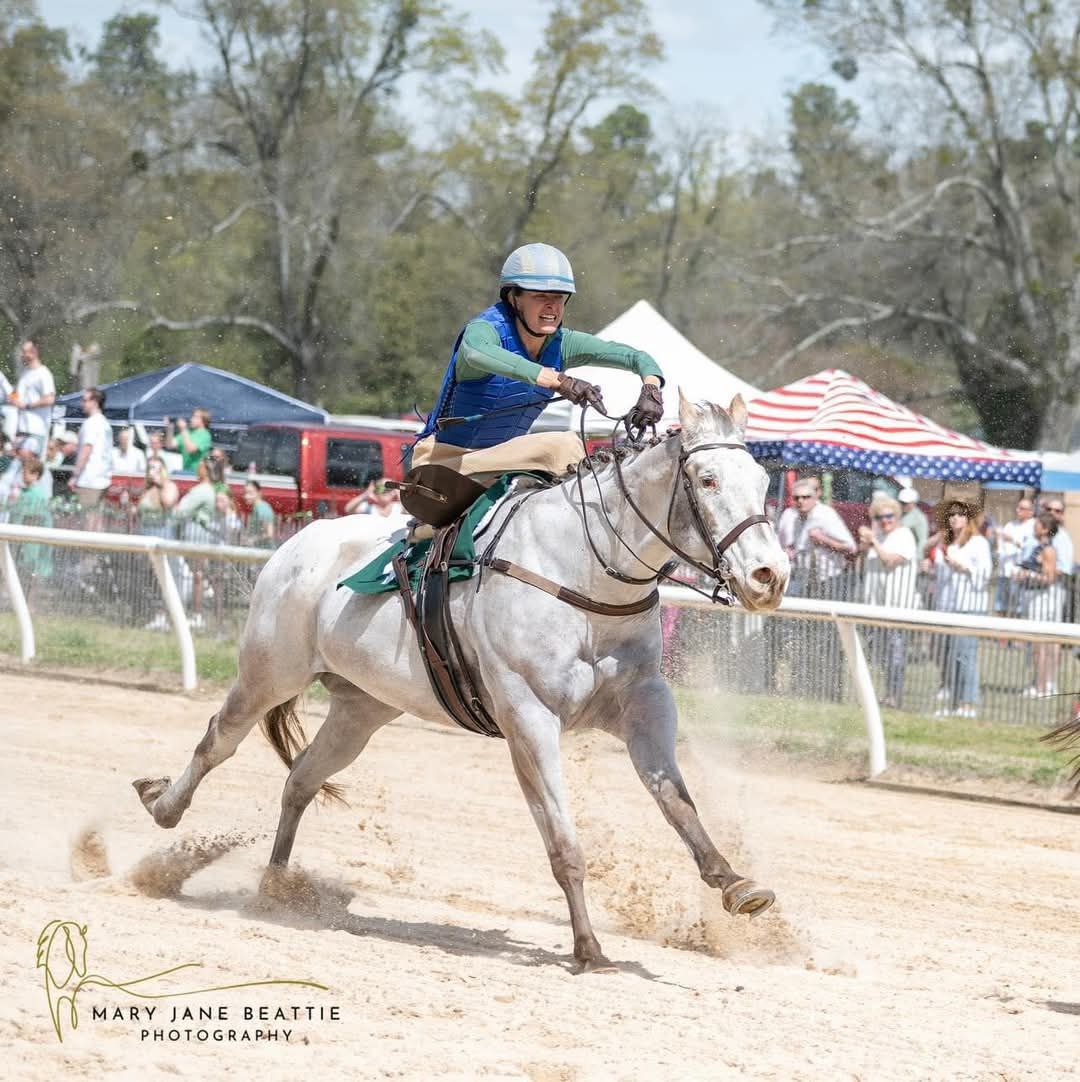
538, 267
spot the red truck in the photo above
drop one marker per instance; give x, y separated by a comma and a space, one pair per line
306, 469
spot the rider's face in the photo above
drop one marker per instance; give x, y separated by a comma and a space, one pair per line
542, 312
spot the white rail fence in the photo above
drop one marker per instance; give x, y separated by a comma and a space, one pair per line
157, 550
846, 617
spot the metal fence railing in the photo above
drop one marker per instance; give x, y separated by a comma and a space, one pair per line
824, 650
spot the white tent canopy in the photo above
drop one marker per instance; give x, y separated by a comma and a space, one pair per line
683, 365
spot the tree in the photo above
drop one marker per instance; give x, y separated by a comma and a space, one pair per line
64, 177
297, 115
986, 215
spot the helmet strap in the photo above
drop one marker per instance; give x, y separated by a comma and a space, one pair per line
520, 318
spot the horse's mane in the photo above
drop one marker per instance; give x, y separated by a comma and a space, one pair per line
625, 450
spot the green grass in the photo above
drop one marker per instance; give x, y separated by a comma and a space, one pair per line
831, 732
98, 646
809, 731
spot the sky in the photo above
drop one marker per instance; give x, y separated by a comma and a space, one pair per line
721, 54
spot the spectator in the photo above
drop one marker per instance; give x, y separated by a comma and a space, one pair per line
912, 517
154, 513
1042, 598
1010, 541
816, 540
126, 457
54, 453
35, 392
1063, 543
158, 500
191, 438
889, 581
92, 474
195, 511
363, 503
227, 525
963, 566
156, 449
31, 508
13, 480
261, 525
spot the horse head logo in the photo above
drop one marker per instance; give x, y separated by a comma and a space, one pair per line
61, 953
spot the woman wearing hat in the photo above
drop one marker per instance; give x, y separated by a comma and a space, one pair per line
963, 567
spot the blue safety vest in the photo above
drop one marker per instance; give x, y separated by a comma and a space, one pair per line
466, 398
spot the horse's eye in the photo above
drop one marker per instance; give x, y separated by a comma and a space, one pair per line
708, 482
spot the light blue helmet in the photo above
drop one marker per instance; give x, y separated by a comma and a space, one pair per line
538, 267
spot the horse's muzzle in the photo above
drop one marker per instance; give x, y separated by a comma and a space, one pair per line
763, 589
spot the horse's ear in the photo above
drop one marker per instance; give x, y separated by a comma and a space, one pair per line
737, 410
691, 417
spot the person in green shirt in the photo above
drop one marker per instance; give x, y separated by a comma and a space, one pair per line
191, 438
260, 521
510, 360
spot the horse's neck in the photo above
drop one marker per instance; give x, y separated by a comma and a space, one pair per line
554, 537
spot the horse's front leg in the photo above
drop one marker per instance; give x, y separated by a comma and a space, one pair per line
648, 728
532, 734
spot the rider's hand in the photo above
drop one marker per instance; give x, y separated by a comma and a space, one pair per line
649, 408
581, 392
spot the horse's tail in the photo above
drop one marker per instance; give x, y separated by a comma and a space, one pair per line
1067, 738
281, 725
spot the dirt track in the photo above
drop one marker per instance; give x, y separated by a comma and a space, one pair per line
913, 937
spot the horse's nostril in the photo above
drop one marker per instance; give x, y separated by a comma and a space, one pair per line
763, 575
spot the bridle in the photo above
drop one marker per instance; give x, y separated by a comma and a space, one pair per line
720, 570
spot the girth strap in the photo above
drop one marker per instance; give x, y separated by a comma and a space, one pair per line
572, 597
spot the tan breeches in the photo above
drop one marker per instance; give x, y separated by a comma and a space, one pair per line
551, 452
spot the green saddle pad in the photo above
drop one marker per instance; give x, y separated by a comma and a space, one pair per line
377, 577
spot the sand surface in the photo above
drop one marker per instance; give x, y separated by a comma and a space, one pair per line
913, 937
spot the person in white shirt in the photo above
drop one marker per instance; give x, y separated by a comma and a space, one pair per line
126, 457
963, 565
35, 391
816, 540
889, 580
1011, 542
92, 474
1063, 543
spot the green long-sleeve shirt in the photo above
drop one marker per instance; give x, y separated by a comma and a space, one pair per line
481, 354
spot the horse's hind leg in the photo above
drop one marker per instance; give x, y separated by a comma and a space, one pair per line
245, 704
350, 722
648, 727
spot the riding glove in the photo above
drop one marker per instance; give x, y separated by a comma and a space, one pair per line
581, 392
649, 408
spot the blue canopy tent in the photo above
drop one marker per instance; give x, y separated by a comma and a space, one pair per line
233, 401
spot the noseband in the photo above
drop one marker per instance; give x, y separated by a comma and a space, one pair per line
720, 571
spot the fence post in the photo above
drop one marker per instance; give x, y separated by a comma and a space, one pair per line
864, 688
174, 605
18, 604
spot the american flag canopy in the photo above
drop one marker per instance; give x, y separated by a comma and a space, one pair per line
833, 419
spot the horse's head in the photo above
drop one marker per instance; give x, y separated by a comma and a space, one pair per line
728, 487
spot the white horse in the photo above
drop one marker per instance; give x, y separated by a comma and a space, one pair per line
543, 666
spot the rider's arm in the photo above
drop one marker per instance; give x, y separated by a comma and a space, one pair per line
480, 355
579, 348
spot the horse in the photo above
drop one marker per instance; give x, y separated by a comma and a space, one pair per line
543, 667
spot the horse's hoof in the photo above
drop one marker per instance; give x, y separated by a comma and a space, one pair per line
745, 898
149, 789
597, 965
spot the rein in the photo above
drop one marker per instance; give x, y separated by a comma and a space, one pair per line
720, 571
